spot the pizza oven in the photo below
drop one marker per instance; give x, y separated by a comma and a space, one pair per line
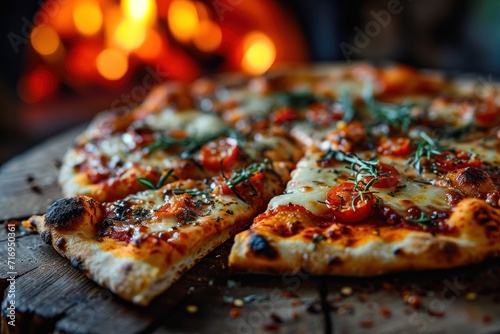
65, 60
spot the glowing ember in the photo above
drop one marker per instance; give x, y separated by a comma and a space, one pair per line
129, 35
208, 37
87, 17
45, 40
103, 42
183, 19
143, 11
37, 85
112, 64
260, 53
152, 46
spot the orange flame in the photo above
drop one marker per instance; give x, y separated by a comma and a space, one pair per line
259, 53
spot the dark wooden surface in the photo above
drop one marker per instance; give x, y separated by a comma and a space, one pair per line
52, 296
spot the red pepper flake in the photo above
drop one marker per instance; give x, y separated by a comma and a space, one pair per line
414, 301
337, 297
271, 327
234, 313
435, 313
385, 312
289, 294
362, 297
366, 323
295, 315
487, 319
387, 286
296, 302
405, 294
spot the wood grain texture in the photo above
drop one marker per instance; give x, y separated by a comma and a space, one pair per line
28, 182
52, 296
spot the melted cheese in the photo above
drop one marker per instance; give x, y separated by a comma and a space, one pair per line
310, 185
196, 123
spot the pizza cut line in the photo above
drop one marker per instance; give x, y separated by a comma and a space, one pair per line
338, 169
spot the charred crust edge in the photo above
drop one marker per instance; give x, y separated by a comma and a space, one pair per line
46, 237
260, 246
65, 212
77, 263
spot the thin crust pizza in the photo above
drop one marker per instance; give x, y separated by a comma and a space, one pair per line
343, 169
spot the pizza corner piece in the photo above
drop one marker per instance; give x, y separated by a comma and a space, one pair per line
139, 246
327, 223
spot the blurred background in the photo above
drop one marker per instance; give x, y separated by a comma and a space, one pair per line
65, 60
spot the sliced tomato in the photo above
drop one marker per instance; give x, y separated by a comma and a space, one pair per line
224, 149
348, 205
401, 79
449, 160
398, 79
324, 115
244, 189
488, 113
397, 147
388, 176
284, 115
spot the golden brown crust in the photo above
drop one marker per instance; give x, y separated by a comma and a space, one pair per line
362, 252
135, 271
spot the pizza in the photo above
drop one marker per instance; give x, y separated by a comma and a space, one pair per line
339, 169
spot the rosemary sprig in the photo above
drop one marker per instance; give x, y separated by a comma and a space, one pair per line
191, 144
361, 168
425, 148
295, 99
348, 106
244, 175
460, 131
240, 176
163, 178
395, 115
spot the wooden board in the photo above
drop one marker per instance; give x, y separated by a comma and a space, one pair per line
52, 296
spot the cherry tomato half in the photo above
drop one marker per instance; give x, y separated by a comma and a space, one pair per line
449, 160
284, 115
397, 147
340, 200
244, 188
224, 149
324, 115
388, 176
488, 113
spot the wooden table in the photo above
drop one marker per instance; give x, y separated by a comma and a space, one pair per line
52, 296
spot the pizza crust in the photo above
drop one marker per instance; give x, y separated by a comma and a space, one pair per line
136, 271
389, 251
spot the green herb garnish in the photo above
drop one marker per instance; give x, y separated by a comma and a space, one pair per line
243, 175
425, 148
240, 176
362, 168
317, 238
460, 131
348, 106
295, 99
191, 144
392, 114
424, 220
161, 182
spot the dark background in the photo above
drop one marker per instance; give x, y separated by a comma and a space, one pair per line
457, 36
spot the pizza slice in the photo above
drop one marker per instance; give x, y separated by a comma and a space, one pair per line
140, 245
347, 214
191, 143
